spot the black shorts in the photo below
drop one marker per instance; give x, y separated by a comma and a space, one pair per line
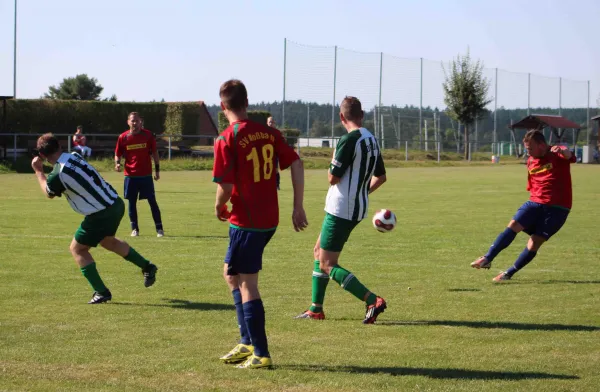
245, 252
541, 219
139, 187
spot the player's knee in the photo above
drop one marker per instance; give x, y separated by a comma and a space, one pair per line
326, 266
535, 242
316, 252
515, 226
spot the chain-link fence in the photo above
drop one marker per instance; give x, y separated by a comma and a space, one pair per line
404, 99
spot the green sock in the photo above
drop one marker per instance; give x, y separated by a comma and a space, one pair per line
349, 283
91, 274
320, 280
136, 258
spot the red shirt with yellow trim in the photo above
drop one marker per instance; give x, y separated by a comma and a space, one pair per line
246, 155
137, 150
549, 180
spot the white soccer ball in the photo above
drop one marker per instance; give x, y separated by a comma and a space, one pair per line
384, 221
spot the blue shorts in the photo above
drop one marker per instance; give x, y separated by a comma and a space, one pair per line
139, 186
541, 219
244, 255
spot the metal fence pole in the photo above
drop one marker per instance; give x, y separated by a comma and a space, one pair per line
381, 136
69, 144
406, 151
284, 77
495, 138
469, 147
589, 130
15, 56
169, 148
528, 93
438, 151
334, 83
15, 147
559, 96
421, 107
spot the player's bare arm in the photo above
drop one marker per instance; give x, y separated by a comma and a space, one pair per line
156, 165
376, 182
298, 215
117, 163
565, 153
224, 192
38, 167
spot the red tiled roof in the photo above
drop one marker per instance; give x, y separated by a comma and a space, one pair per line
538, 121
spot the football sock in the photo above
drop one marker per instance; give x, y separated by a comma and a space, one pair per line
320, 280
254, 315
349, 283
502, 241
524, 258
93, 277
239, 309
133, 217
136, 258
155, 213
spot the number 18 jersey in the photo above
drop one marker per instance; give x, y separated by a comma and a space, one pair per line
246, 154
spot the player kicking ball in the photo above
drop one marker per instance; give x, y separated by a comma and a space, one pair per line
245, 173
549, 184
90, 195
356, 170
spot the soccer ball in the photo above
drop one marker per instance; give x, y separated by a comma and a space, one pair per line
384, 221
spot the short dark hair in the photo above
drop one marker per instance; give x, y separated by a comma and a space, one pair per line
234, 95
80, 127
351, 109
47, 144
536, 135
134, 114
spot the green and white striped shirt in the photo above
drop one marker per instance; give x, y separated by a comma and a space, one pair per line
357, 158
85, 189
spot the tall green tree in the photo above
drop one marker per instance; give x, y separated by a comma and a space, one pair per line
465, 92
81, 87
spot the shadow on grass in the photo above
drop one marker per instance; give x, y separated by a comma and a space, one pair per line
202, 237
462, 290
495, 324
456, 374
182, 304
571, 281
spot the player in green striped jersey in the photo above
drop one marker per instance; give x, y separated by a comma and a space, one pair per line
356, 170
90, 195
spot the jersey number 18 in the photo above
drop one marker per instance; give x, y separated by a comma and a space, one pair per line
267, 154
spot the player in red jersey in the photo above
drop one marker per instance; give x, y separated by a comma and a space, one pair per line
551, 197
244, 170
138, 146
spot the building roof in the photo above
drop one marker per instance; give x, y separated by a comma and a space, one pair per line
596, 117
207, 125
539, 121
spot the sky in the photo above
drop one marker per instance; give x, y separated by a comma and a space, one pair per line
182, 50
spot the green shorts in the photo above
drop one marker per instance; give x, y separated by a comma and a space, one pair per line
335, 232
99, 225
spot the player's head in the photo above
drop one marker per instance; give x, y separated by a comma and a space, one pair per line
234, 96
48, 147
271, 122
535, 143
134, 121
79, 129
351, 113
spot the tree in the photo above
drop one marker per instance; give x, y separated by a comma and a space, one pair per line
465, 92
81, 87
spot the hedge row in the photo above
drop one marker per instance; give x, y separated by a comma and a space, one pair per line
58, 116
291, 134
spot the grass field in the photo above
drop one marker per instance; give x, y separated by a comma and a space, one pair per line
447, 327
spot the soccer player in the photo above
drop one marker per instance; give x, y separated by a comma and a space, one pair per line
90, 195
271, 123
79, 143
356, 170
549, 184
138, 146
244, 169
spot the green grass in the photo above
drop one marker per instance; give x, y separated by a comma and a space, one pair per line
453, 330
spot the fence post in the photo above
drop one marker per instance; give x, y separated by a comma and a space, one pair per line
495, 138
438, 148
528, 93
421, 108
15, 147
334, 83
169, 147
589, 130
69, 144
284, 75
406, 151
469, 147
381, 136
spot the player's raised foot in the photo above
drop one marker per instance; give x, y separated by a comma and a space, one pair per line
374, 310
98, 298
311, 315
238, 354
160, 233
501, 277
149, 273
135, 233
255, 362
481, 262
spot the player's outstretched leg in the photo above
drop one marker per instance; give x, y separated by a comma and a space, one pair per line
86, 263
156, 216
502, 242
524, 258
123, 249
